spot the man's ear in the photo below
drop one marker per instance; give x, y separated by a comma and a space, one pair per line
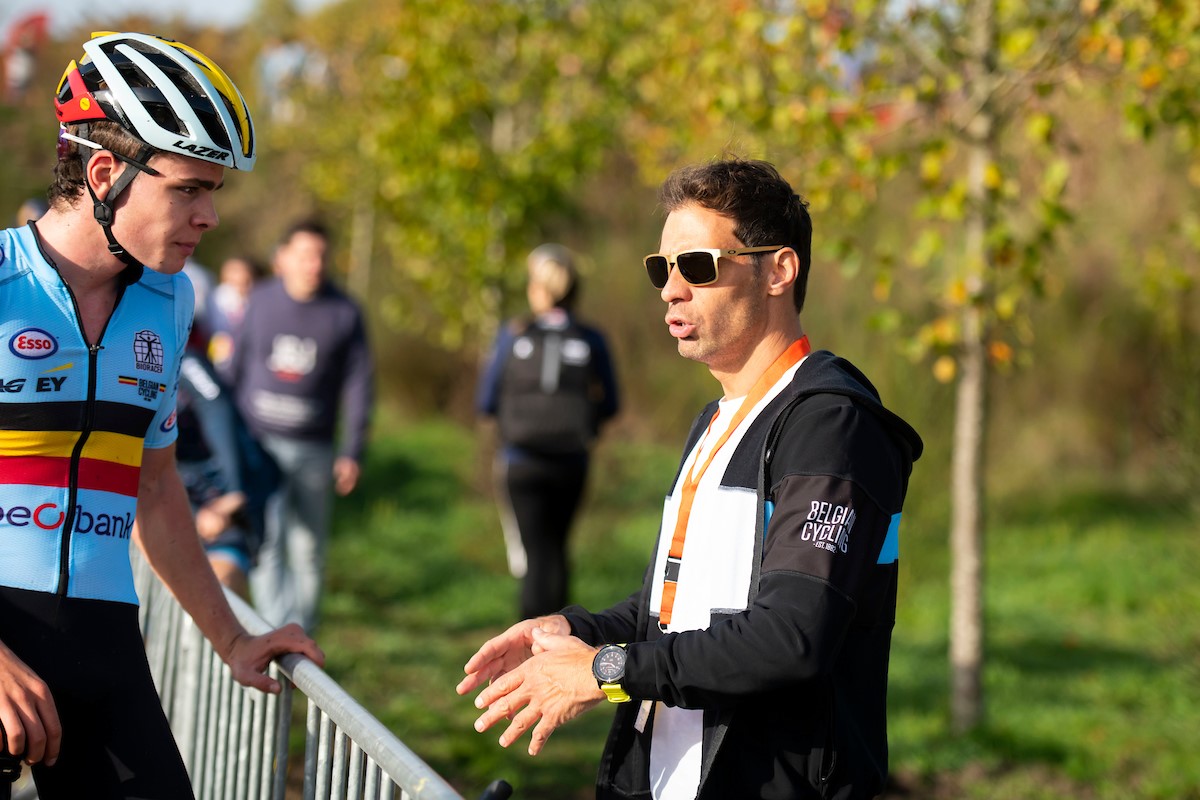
784, 269
102, 171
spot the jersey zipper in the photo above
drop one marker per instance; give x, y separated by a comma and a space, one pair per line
89, 419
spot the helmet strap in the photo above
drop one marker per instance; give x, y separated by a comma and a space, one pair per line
103, 210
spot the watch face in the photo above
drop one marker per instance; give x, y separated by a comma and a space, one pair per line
609, 665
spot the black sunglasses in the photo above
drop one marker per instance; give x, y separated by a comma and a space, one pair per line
698, 267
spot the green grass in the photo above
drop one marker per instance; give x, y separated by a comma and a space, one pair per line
1093, 613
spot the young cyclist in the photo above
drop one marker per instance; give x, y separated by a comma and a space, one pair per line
94, 317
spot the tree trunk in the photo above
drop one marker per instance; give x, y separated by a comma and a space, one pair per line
966, 533
362, 247
970, 418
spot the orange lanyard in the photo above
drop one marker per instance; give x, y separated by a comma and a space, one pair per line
790, 357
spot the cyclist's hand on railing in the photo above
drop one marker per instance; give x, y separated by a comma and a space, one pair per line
549, 689
28, 718
505, 652
249, 655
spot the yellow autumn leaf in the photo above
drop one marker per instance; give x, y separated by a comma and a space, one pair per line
1006, 305
1001, 352
881, 289
943, 331
944, 369
992, 178
956, 293
931, 167
1151, 76
1039, 127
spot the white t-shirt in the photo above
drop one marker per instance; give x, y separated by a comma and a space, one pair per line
675, 742
714, 574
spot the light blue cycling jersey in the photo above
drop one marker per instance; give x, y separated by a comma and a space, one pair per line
74, 420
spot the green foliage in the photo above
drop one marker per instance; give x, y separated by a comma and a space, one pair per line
1093, 634
462, 128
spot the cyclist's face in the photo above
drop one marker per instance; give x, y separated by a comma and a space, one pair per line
161, 218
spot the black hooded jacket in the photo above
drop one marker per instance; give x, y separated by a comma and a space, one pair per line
793, 686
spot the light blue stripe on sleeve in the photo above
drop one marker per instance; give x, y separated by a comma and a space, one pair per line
768, 510
890, 552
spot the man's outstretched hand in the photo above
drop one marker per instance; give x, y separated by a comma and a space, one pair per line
540, 677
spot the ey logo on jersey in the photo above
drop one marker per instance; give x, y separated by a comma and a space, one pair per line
31, 343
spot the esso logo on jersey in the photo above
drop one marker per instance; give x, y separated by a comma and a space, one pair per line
33, 343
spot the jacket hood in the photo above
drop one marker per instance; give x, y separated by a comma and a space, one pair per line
824, 373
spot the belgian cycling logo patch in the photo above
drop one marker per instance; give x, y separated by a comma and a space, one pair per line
148, 351
32, 343
148, 390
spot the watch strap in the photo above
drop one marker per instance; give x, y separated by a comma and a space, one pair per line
615, 693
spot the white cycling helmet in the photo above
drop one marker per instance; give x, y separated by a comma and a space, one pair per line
169, 95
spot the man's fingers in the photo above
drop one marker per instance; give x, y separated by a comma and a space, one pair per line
498, 688
520, 723
292, 638
493, 714
541, 733
485, 657
468, 684
34, 733
13, 731
257, 680
53, 738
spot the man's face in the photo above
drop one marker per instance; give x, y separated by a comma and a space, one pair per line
300, 264
161, 218
718, 324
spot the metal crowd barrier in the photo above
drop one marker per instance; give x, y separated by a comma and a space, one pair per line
234, 740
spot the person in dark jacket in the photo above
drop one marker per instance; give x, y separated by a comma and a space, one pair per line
753, 660
550, 385
300, 366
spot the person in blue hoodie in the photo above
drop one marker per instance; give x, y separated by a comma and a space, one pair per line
753, 660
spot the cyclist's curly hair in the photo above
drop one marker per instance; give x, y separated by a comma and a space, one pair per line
69, 179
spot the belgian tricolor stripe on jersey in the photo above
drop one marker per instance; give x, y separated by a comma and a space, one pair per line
37, 443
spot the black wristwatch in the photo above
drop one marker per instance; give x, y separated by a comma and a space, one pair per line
608, 667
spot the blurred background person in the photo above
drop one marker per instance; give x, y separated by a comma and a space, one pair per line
31, 210
202, 283
300, 365
550, 385
226, 472
227, 306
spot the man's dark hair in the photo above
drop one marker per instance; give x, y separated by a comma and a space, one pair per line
314, 226
762, 205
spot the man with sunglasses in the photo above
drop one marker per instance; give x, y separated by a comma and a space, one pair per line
753, 661
94, 318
